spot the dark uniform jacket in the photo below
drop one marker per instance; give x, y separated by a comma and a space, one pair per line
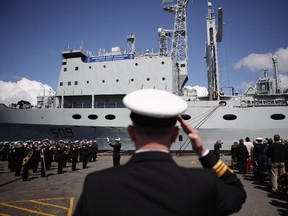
277, 152
151, 183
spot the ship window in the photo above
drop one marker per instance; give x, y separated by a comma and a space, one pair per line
65, 69
136, 64
92, 117
278, 116
104, 66
87, 81
117, 80
148, 79
132, 80
103, 81
75, 82
110, 117
163, 78
90, 67
76, 116
186, 117
229, 117
76, 68
64, 63
61, 83
69, 83
162, 62
182, 65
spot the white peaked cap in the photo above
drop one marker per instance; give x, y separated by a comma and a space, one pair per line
155, 103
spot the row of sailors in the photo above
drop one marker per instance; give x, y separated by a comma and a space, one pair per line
23, 156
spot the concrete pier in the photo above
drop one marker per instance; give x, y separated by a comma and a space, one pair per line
58, 194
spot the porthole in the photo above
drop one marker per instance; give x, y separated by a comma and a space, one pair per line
229, 117
132, 80
223, 103
162, 62
76, 116
278, 116
117, 80
103, 81
148, 79
163, 78
136, 64
186, 117
92, 117
104, 66
110, 117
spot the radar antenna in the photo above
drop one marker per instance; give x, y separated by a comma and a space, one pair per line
179, 39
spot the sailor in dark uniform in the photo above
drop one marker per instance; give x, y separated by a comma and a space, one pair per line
84, 153
11, 157
19, 155
74, 156
36, 156
45, 157
60, 156
27, 160
116, 150
151, 182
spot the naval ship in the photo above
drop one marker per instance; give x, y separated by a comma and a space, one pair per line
88, 101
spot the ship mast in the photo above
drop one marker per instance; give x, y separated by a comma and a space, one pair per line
179, 39
211, 51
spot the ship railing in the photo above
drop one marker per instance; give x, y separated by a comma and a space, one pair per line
96, 105
109, 105
259, 103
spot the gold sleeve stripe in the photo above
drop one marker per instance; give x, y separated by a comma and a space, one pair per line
220, 168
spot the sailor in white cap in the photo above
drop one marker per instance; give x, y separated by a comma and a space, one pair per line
259, 139
116, 150
151, 181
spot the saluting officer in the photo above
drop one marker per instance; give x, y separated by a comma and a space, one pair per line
116, 151
151, 181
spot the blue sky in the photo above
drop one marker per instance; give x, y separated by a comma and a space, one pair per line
34, 32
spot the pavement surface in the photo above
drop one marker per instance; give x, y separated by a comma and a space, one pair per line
58, 194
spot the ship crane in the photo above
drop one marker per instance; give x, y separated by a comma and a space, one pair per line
179, 49
211, 52
276, 75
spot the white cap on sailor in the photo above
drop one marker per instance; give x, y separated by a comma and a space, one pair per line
259, 139
149, 106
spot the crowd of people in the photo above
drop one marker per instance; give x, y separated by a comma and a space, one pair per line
266, 159
39, 155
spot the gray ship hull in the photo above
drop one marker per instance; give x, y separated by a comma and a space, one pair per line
59, 124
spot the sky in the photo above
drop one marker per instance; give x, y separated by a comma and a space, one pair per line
34, 32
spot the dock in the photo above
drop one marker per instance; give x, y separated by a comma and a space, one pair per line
57, 194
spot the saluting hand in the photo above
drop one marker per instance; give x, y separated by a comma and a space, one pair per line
196, 141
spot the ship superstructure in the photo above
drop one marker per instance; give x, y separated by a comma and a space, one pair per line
88, 100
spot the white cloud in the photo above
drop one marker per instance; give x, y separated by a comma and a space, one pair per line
256, 62
201, 91
24, 89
